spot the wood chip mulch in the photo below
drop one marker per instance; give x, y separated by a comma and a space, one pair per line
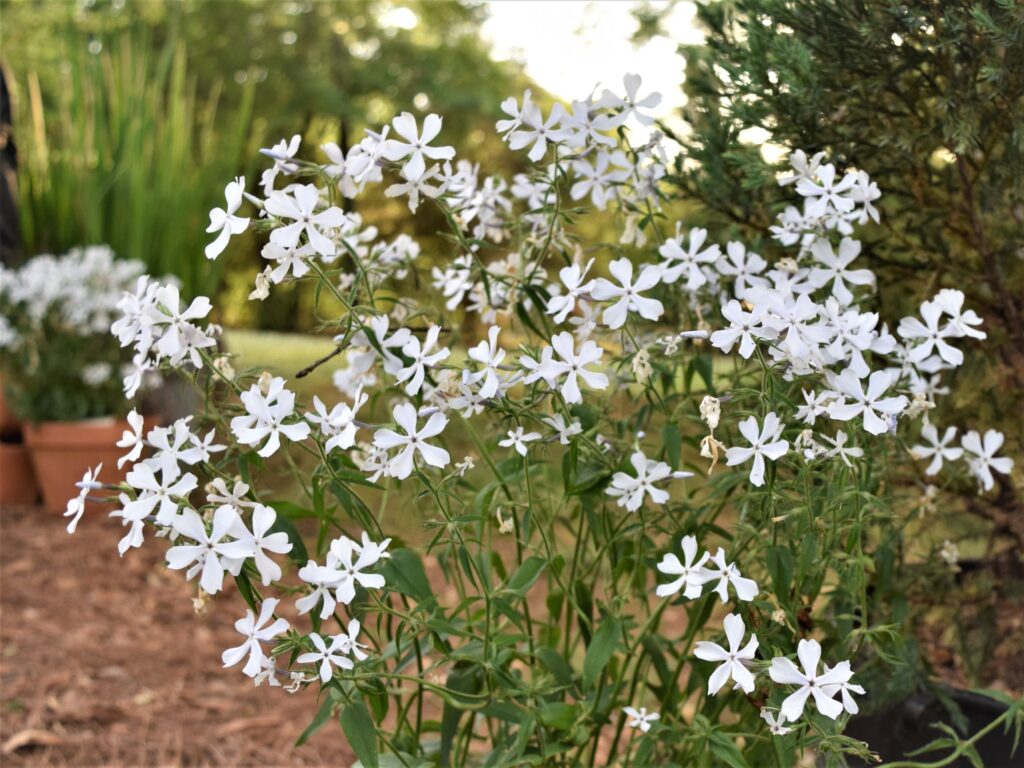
104, 662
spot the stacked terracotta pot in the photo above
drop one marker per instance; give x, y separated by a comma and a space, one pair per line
50, 457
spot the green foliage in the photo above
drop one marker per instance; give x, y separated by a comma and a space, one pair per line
124, 148
927, 98
132, 117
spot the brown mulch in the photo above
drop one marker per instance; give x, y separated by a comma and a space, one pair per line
103, 662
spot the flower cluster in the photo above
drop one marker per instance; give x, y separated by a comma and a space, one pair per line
55, 317
577, 374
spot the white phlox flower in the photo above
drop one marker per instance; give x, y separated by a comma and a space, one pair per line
256, 631
732, 659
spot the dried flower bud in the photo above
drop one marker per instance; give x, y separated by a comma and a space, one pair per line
505, 525
950, 553
787, 264
262, 289
920, 404
264, 382
711, 411
223, 365
710, 449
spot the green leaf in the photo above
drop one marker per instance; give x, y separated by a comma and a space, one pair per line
526, 575
361, 732
462, 679
557, 715
556, 664
283, 524
291, 510
601, 649
780, 568
726, 750
404, 572
245, 588
673, 443
321, 717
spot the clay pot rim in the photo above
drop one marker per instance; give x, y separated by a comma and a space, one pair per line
64, 434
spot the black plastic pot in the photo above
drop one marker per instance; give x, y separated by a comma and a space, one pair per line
895, 732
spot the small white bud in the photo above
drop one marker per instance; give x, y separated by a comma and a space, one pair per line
711, 411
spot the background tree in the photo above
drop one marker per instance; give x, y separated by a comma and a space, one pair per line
133, 116
928, 98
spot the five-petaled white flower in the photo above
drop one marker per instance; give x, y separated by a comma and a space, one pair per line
744, 328
300, 206
776, 725
572, 366
940, 449
76, 506
691, 575
631, 490
416, 145
339, 424
257, 542
827, 192
572, 278
265, 415
765, 442
729, 575
834, 270
160, 496
870, 402
166, 313
422, 358
489, 355
327, 656
627, 293
822, 687
256, 631
981, 456
211, 550
518, 440
732, 659
564, 431
930, 336
687, 263
224, 221
413, 441
533, 129
640, 718
844, 689
631, 103
744, 267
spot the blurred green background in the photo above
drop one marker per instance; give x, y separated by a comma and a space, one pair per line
130, 117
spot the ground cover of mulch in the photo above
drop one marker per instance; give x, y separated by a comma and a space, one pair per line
104, 662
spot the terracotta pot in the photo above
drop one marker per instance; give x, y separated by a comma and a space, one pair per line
62, 451
17, 480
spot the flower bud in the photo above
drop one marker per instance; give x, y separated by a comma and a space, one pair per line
264, 383
642, 366
711, 411
262, 289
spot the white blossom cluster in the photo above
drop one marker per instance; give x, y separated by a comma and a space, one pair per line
801, 315
76, 294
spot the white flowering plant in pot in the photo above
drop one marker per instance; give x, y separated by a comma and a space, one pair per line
59, 361
640, 502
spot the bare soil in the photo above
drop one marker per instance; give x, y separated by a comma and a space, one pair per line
104, 662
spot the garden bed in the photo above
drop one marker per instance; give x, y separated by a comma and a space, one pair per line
105, 663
